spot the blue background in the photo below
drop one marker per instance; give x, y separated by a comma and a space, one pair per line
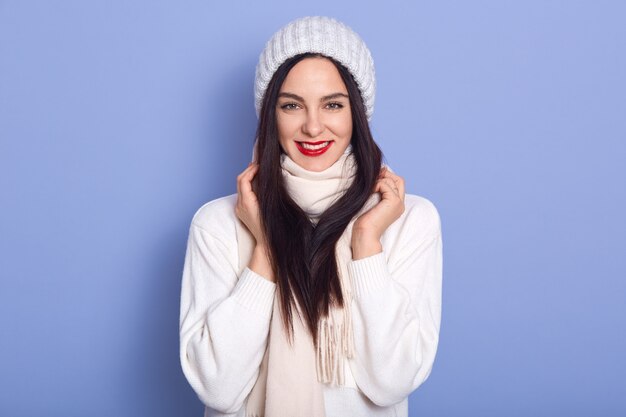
118, 120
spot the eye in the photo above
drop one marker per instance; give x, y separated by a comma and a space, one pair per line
286, 106
335, 105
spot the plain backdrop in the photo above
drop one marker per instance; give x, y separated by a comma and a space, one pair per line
119, 119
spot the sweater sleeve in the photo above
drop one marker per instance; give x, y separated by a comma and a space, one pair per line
397, 313
224, 322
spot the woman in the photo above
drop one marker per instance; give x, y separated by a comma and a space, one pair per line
315, 290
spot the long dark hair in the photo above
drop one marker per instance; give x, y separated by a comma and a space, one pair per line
302, 255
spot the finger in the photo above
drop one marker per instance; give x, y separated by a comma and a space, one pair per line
398, 181
245, 182
389, 174
386, 188
401, 188
250, 168
241, 178
252, 171
389, 191
391, 184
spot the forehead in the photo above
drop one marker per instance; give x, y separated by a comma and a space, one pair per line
313, 76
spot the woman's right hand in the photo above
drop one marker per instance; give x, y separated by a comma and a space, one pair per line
247, 208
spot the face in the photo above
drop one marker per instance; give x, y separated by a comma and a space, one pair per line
313, 114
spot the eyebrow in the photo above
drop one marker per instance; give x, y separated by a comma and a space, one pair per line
328, 97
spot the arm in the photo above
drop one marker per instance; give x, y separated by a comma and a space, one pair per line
397, 312
224, 322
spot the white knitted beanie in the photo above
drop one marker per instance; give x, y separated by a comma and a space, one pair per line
324, 35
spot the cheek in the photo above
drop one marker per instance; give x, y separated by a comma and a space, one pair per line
280, 125
343, 126
286, 126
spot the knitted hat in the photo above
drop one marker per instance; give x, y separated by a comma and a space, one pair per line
320, 34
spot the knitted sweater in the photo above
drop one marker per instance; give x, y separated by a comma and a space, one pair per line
225, 315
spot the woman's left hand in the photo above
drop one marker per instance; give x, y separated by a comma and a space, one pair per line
372, 223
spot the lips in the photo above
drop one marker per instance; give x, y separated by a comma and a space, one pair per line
315, 143
314, 152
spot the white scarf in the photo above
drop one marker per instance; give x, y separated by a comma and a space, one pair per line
291, 378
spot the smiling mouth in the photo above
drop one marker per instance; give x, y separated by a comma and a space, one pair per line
315, 145
313, 148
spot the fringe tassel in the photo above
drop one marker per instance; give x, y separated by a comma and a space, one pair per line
336, 340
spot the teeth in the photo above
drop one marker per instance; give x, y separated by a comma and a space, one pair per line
314, 147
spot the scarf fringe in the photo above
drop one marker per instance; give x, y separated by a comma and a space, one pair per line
335, 344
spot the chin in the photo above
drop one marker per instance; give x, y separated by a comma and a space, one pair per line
319, 162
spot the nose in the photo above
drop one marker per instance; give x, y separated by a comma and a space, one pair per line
313, 125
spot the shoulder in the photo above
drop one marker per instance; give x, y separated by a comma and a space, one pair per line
420, 219
422, 210
217, 217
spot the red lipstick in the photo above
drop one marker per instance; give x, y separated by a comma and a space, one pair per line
314, 152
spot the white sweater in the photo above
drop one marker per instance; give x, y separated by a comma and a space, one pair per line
225, 318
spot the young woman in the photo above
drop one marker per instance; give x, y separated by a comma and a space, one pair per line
315, 290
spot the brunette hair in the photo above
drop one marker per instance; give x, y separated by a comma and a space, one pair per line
302, 255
